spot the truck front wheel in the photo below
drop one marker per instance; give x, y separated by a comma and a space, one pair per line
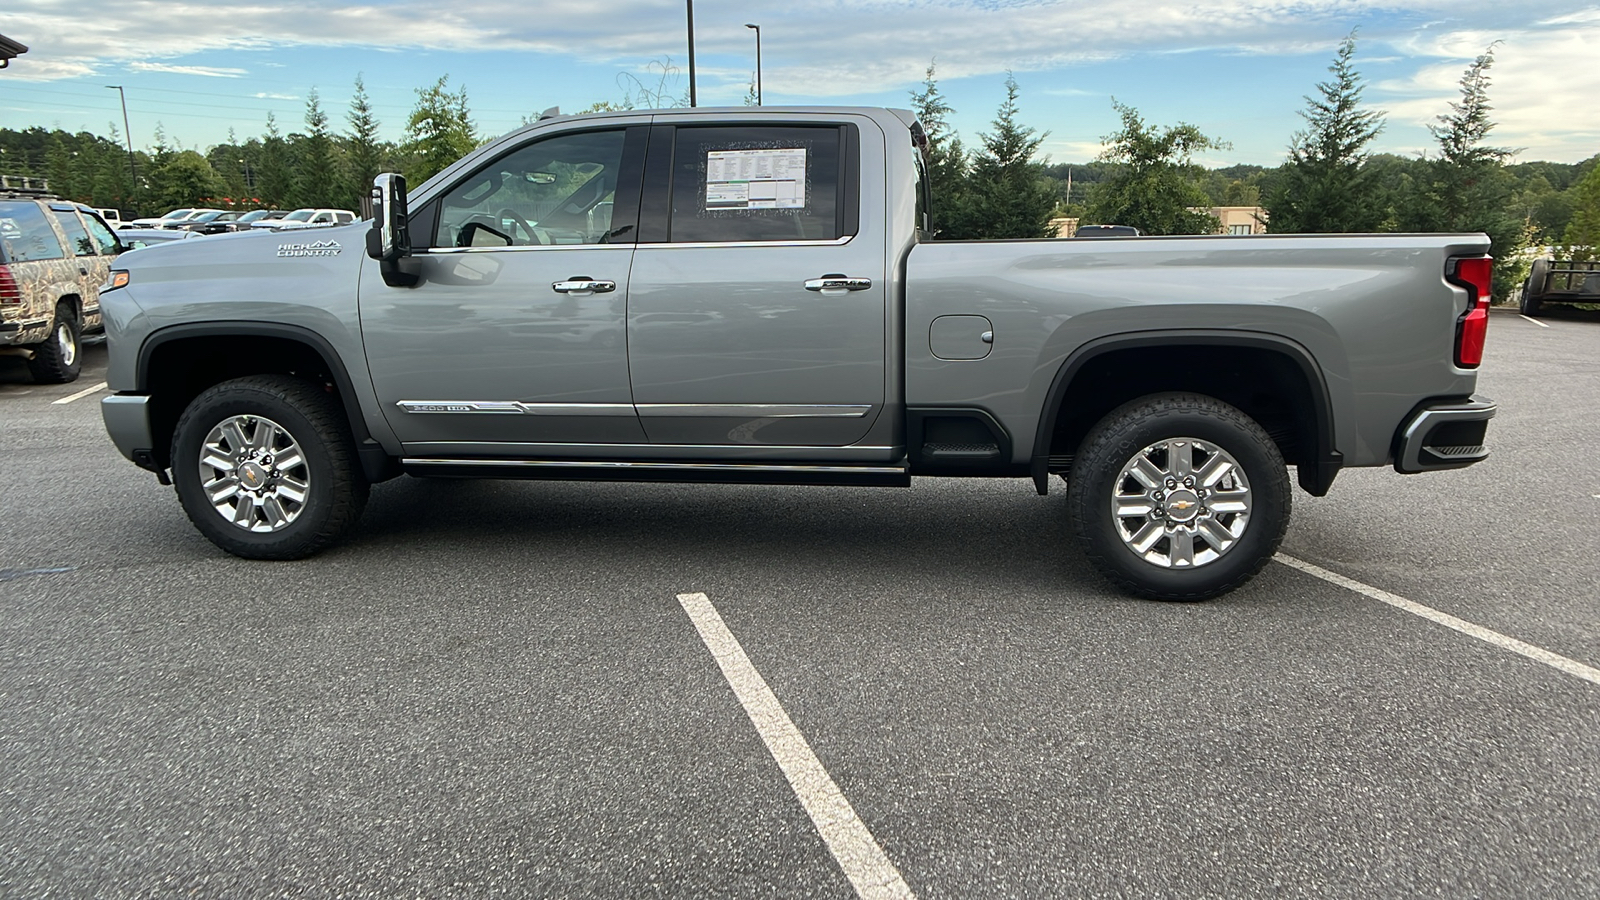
1179, 497
266, 468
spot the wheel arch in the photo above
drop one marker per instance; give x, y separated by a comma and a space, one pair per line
1305, 426
176, 363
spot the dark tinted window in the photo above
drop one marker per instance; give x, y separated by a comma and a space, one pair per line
560, 190
77, 237
26, 235
772, 183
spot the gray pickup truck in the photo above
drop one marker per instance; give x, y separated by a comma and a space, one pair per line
751, 295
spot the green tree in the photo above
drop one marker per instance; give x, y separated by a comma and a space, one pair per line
1326, 187
1156, 185
440, 129
363, 151
274, 181
946, 158
1583, 231
186, 179
1470, 189
316, 176
1006, 193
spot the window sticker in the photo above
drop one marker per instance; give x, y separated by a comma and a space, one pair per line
756, 179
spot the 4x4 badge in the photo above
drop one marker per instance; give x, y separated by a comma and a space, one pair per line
315, 248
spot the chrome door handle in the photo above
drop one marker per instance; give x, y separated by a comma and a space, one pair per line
583, 285
832, 283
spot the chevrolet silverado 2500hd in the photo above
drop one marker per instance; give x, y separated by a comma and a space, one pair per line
751, 295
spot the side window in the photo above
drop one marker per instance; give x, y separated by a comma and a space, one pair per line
104, 240
761, 183
27, 235
77, 237
343, 218
556, 191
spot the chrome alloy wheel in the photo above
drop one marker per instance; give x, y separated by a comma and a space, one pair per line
1181, 503
254, 473
65, 344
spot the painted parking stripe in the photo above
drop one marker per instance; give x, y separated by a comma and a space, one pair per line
1536, 322
858, 853
1488, 636
80, 395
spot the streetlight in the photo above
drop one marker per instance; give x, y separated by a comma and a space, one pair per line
133, 178
758, 61
692, 96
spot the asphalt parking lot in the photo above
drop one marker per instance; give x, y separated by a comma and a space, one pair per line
494, 689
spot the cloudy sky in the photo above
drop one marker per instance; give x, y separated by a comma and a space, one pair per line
1238, 69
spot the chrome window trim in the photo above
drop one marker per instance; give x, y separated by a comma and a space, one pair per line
755, 410
513, 408
836, 242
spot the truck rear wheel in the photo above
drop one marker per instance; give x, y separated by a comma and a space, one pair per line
266, 468
1179, 497
59, 359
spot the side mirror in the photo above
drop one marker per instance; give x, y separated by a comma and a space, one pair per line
389, 241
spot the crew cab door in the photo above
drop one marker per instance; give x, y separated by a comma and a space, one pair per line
756, 312
514, 334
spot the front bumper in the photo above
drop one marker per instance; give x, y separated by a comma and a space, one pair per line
1444, 435
127, 418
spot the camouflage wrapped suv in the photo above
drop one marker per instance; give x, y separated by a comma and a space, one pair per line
54, 255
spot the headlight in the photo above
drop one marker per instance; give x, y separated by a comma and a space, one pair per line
119, 279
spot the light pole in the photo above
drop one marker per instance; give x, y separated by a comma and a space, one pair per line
133, 177
692, 97
758, 61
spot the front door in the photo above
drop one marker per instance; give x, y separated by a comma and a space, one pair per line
515, 332
756, 311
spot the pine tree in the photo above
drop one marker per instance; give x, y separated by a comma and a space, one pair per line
274, 183
1470, 190
316, 178
1006, 194
1155, 186
362, 149
1326, 186
946, 158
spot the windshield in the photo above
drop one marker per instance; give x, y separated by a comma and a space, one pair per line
179, 213
300, 215
253, 215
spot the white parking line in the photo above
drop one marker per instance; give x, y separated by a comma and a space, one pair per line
853, 846
80, 395
1537, 322
1505, 642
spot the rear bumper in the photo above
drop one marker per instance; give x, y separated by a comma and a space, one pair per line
1444, 435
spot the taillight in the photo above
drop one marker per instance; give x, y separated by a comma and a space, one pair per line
1472, 328
9, 292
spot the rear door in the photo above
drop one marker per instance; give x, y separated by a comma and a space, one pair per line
757, 306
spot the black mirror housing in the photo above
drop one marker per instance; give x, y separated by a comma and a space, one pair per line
389, 241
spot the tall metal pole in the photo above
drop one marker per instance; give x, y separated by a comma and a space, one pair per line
758, 62
692, 97
133, 177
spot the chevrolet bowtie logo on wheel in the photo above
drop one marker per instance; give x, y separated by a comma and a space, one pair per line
315, 248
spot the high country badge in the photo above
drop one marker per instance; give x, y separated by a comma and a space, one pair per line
315, 248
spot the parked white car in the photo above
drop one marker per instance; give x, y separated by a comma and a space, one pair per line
308, 218
171, 220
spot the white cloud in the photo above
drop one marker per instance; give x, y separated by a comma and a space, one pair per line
1542, 87
207, 71
263, 95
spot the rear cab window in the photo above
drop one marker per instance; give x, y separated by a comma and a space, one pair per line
752, 183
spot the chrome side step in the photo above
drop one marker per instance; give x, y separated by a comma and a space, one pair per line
621, 470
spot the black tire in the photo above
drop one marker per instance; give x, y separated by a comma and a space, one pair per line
336, 487
1529, 306
1124, 434
60, 358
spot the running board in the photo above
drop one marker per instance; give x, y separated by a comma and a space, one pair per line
702, 473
